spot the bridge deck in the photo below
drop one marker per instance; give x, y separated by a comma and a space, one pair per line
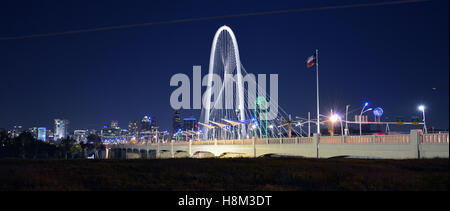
413, 145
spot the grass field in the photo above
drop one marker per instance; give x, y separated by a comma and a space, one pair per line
262, 174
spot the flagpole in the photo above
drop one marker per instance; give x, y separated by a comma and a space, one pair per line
317, 87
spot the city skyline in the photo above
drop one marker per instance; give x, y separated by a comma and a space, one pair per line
127, 77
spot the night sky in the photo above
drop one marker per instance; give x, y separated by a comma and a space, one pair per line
392, 56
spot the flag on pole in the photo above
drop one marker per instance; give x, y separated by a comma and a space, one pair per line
311, 61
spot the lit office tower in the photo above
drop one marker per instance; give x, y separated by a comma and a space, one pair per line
153, 125
80, 136
114, 124
50, 136
16, 131
61, 126
176, 121
33, 131
132, 128
189, 124
146, 123
42, 134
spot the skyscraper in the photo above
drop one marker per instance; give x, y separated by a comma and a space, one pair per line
114, 124
17, 129
146, 123
80, 135
50, 135
110, 133
153, 125
61, 126
132, 128
176, 120
34, 131
189, 124
42, 134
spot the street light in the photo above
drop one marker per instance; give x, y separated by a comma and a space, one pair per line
334, 118
422, 108
271, 129
360, 116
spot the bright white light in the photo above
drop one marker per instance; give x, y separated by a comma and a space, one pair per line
421, 107
270, 126
334, 118
254, 126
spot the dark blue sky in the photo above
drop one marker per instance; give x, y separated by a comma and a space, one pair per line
390, 55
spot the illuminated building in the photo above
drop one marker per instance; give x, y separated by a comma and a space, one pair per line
123, 132
42, 134
189, 124
153, 125
50, 136
110, 133
132, 128
80, 135
114, 124
61, 126
146, 124
176, 121
17, 129
34, 131
92, 132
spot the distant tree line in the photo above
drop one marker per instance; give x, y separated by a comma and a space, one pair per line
28, 147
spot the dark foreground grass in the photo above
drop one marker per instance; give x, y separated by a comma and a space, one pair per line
263, 174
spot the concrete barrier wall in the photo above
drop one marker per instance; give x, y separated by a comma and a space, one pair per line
402, 146
394, 151
434, 150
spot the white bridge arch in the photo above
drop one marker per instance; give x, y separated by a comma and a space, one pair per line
240, 86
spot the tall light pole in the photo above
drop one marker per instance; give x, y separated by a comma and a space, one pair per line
346, 119
317, 87
360, 116
422, 108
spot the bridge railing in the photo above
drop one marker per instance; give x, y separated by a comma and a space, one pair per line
433, 138
305, 140
273, 140
202, 142
436, 138
358, 139
368, 139
261, 141
331, 139
235, 141
297, 140
392, 139
178, 143
289, 140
